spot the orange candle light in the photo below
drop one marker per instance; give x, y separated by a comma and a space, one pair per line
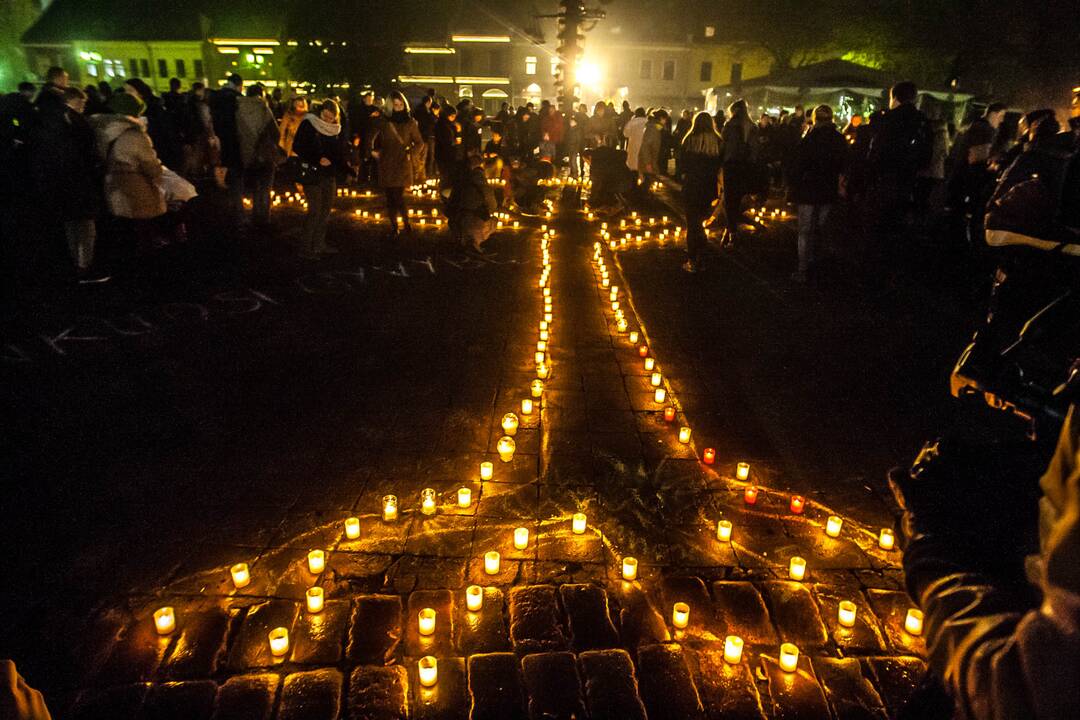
750, 495
797, 504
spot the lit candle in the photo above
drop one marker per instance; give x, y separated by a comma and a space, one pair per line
797, 568
425, 621
521, 538
789, 657
464, 497
526, 406
643, 351
733, 645
315, 600
578, 523
279, 641
742, 471
833, 525
634, 336
629, 568
680, 615
389, 507
846, 613
650, 363
474, 598
615, 305
622, 325
660, 395
428, 669
427, 501
914, 621
487, 471
506, 448
797, 504
684, 435
240, 575
542, 371
656, 379
537, 388
723, 530
316, 561
708, 456
352, 528
604, 282
538, 357
544, 335
669, 414
750, 495
492, 562
886, 539
510, 424
165, 620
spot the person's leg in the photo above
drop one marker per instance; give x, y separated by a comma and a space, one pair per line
806, 232
234, 185
695, 233
307, 236
327, 191
391, 209
264, 181
732, 210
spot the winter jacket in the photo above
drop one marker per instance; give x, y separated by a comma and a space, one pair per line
819, 160
257, 132
652, 144
700, 166
132, 168
311, 146
634, 132
163, 133
902, 145
64, 161
551, 124
601, 130
223, 104
395, 142
448, 148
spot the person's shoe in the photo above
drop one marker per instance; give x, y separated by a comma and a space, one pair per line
89, 277
690, 266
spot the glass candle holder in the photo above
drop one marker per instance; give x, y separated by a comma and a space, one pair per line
315, 599
164, 620
684, 435
733, 647
510, 424
425, 621
834, 525
537, 388
279, 641
723, 530
578, 523
474, 598
660, 395
656, 379
742, 471
669, 414
913, 622
680, 615
789, 657
390, 508
487, 470
464, 497
886, 539
316, 561
797, 568
649, 364
798, 503
521, 538
846, 613
427, 501
750, 495
352, 528
506, 448
629, 568
428, 670
526, 406
634, 337
241, 576
708, 456
492, 562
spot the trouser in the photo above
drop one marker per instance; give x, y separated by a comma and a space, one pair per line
429, 158
697, 211
320, 198
732, 208
262, 180
395, 207
574, 157
812, 220
81, 236
234, 188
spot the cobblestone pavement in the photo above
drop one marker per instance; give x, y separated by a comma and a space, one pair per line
560, 631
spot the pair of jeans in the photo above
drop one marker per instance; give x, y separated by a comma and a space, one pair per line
320, 198
262, 180
812, 220
81, 237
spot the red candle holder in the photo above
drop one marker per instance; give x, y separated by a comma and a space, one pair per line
750, 495
669, 414
797, 504
708, 456
643, 351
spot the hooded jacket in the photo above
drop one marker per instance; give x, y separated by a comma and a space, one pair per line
132, 169
256, 132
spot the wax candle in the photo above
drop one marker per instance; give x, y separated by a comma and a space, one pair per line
428, 670
164, 620
733, 645
604, 282
492, 561
615, 305
506, 448
833, 525
680, 615
650, 363
742, 471
526, 406
240, 575
656, 379
660, 395
427, 501
789, 657
797, 568
487, 470
352, 528
669, 414
541, 346
723, 530
708, 456
316, 561
521, 538
886, 539
510, 424
634, 336
537, 388
464, 497
315, 599
797, 504
279, 641
913, 623
629, 568
684, 435
474, 598
425, 621
542, 371
750, 495
643, 351
389, 508
846, 613
622, 325
545, 335
578, 523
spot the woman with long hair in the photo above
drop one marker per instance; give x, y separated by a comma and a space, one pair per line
700, 164
295, 113
395, 140
319, 145
738, 155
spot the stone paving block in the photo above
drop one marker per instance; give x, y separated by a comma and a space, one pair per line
484, 631
589, 620
363, 571
378, 693
498, 534
192, 700
795, 695
510, 571
891, 607
377, 536
851, 695
740, 610
247, 697
535, 624
423, 573
441, 642
666, 685
552, 685
866, 636
135, 655
554, 572
896, 678
508, 500
795, 613
448, 699
122, 701
495, 687
375, 630
441, 536
199, 647
320, 637
311, 695
824, 552
726, 691
639, 619
690, 590
558, 542
611, 690
251, 648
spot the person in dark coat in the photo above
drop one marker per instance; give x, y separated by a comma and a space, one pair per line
700, 164
739, 163
425, 121
472, 202
223, 104
448, 145
394, 140
819, 160
321, 149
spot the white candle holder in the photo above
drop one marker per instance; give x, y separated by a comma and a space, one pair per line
428, 670
578, 523
487, 470
390, 508
492, 562
886, 539
680, 615
723, 530
742, 471
797, 568
425, 621
279, 641
474, 598
241, 576
352, 528
316, 561
164, 620
833, 526
506, 448
913, 622
789, 657
464, 497
510, 424
315, 599
629, 568
521, 538
733, 647
846, 613
427, 501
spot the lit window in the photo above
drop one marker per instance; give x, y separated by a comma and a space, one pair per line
91, 70
465, 91
118, 65
109, 72
710, 31
530, 65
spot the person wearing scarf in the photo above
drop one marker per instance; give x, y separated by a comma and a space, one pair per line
318, 144
395, 145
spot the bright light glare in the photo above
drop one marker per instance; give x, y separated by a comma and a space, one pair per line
588, 74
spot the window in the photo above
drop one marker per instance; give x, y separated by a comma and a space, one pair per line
199, 69
91, 70
646, 69
555, 63
530, 65
465, 91
710, 31
144, 68
706, 72
736, 73
669, 69
163, 68
109, 71
181, 69
133, 67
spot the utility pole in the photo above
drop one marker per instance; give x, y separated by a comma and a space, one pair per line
572, 16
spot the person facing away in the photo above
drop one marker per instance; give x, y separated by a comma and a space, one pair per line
132, 168
902, 143
633, 132
257, 133
321, 149
159, 123
393, 142
820, 159
738, 157
700, 166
